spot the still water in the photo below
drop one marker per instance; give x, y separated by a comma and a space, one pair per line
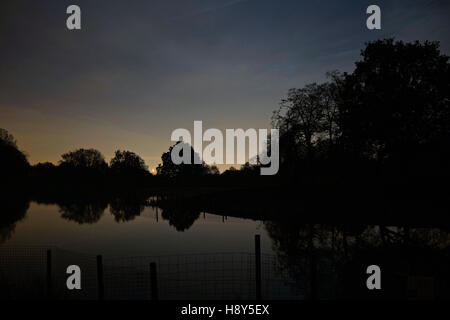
204, 255
147, 234
199, 255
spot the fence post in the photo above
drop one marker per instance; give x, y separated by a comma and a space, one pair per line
313, 275
153, 281
313, 264
49, 273
100, 289
258, 266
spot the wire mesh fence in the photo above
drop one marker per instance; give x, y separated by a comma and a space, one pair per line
22, 272
40, 272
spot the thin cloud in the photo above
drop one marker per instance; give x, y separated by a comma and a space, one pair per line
208, 10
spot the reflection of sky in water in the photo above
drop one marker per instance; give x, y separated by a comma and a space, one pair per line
143, 235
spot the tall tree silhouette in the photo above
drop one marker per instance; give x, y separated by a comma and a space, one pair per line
307, 118
299, 116
396, 106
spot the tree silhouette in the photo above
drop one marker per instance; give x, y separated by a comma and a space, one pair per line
300, 115
231, 171
7, 139
308, 120
44, 166
13, 163
127, 162
248, 169
169, 169
396, 105
391, 115
82, 167
84, 159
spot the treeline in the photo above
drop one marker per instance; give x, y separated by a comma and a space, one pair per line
88, 169
88, 166
386, 122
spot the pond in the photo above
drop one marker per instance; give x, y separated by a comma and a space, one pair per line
208, 255
145, 234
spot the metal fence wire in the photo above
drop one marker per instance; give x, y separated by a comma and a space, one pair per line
29, 272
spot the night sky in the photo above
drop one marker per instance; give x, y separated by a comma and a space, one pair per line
140, 69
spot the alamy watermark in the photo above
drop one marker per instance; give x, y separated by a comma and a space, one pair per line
73, 21
214, 153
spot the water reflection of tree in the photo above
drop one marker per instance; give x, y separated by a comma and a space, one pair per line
126, 209
343, 252
180, 212
13, 210
296, 246
83, 211
181, 219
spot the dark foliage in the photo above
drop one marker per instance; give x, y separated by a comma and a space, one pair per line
389, 119
168, 169
127, 162
14, 165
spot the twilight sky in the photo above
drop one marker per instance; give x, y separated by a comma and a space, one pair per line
140, 69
